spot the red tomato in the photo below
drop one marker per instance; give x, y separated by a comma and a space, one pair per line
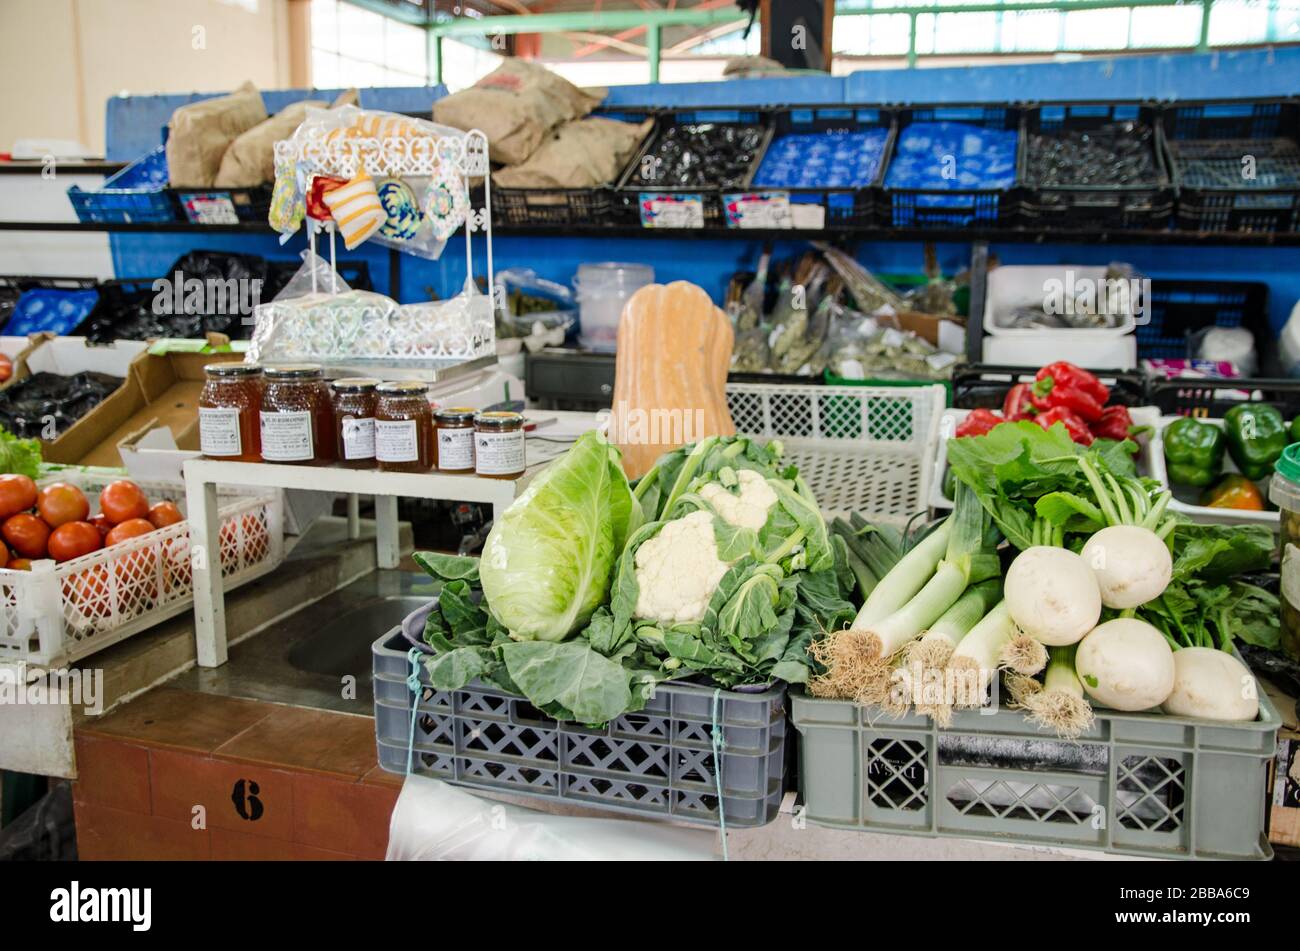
20, 564
4, 556
62, 502
255, 544
6, 367
26, 534
17, 494
74, 539
123, 500
88, 592
162, 514
131, 528
177, 575
102, 523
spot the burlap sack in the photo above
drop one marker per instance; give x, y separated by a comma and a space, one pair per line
250, 159
516, 105
579, 154
202, 131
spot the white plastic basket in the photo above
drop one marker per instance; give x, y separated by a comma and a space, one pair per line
59, 613
1150, 459
1203, 513
863, 449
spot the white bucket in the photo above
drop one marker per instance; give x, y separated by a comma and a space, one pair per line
603, 289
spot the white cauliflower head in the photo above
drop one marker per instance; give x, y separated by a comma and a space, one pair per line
747, 509
678, 570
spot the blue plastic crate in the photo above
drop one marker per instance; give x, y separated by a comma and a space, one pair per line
43, 309
137, 193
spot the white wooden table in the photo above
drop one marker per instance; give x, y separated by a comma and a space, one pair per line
202, 476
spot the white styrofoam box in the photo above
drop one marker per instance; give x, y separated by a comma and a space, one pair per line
1150, 457
1204, 513
12, 346
1011, 287
59, 613
68, 355
1041, 347
864, 449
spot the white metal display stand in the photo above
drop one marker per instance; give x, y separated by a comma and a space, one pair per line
203, 475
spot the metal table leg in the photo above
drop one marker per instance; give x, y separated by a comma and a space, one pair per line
354, 515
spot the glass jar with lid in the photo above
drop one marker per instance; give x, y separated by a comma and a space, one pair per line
499, 445
403, 427
1284, 492
229, 404
453, 439
354, 421
297, 416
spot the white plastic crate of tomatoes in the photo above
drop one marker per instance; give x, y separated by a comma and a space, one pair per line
58, 613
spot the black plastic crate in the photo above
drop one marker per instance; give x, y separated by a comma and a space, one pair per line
1178, 310
660, 762
1093, 207
638, 177
1210, 399
847, 206
1207, 145
985, 385
949, 209
551, 207
224, 206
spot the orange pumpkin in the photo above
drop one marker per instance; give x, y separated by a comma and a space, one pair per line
670, 373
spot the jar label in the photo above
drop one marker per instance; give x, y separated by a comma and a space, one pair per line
358, 437
456, 449
286, 437
499, 453
395, 440
219, 431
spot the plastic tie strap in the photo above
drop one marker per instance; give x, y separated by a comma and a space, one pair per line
413, 685
718, 746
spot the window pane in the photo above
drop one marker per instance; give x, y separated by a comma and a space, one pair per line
405, 48
1031, 32
1162, 27
324, 25
361, 33
1238, 21
1096, 29
965, 32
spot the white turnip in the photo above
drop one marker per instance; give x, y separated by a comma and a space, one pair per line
1126, 664
1213, 685
1052, 595
1132, 565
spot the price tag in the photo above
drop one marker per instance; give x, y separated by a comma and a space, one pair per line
215, 209
758, 210
666, 210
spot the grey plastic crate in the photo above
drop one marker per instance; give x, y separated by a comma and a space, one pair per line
657, 762
1140, 784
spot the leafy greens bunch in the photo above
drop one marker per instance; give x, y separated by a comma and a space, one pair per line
718, 566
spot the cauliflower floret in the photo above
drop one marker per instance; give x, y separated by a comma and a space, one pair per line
678, 570
749, 508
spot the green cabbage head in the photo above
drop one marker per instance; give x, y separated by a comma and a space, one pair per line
548, 560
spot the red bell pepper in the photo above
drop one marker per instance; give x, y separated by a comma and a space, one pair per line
1019, 402
1065, 386
1114, 423
1075, 426
979, 422
1076, 378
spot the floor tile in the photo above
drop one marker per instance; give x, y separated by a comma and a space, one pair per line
251, 800
179, 719
112, 773
316, 740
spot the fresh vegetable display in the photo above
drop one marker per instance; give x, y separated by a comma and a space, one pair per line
717, 566
1252, 435
1255, 434
1103, 592
1193, 452
1061, 393
62, 528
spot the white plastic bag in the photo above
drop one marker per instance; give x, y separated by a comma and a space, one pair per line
435, 821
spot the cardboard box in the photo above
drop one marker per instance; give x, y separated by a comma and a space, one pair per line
947, 333
159, 390
17, 349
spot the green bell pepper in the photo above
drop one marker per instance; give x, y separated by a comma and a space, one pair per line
1193, 452
1256, 435
1294, 434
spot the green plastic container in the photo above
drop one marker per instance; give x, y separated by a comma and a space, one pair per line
1136, 783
